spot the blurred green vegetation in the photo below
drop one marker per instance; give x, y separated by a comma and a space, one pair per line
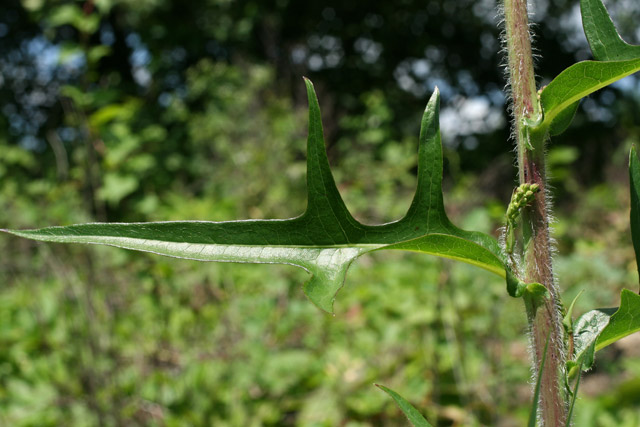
160, 110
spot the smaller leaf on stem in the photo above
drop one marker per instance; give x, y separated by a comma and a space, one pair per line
598, 328
567, 320
578, 81
615, 59
586, 331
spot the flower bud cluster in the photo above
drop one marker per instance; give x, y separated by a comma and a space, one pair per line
523, 195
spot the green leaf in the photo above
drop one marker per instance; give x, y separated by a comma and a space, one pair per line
70, 14
567, 320
537, 292
625, 321
634, 183
563, 120
615, 59
598, 328
325, 239
586, 331
604, 40
415, 417
578, 81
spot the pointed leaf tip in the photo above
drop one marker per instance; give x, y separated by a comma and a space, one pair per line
415, 418
428, 203
325, 208
435, 97
311, 92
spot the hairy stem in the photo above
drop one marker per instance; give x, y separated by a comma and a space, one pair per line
544, 319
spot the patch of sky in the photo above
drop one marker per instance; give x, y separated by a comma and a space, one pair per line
368, 49
139, 59
463, 117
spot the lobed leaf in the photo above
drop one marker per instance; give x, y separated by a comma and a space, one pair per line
415, 418
325, 239
604, 40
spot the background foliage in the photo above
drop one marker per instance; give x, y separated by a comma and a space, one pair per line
160, 110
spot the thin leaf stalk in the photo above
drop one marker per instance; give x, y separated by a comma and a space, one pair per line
544, 319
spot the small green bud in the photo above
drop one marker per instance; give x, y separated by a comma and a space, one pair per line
521, 197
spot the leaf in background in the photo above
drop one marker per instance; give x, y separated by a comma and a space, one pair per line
578, 81
634, 184
70, 14
325, 239
604, 40
415, 417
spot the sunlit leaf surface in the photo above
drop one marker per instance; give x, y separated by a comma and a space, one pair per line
580, 80
325, 239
